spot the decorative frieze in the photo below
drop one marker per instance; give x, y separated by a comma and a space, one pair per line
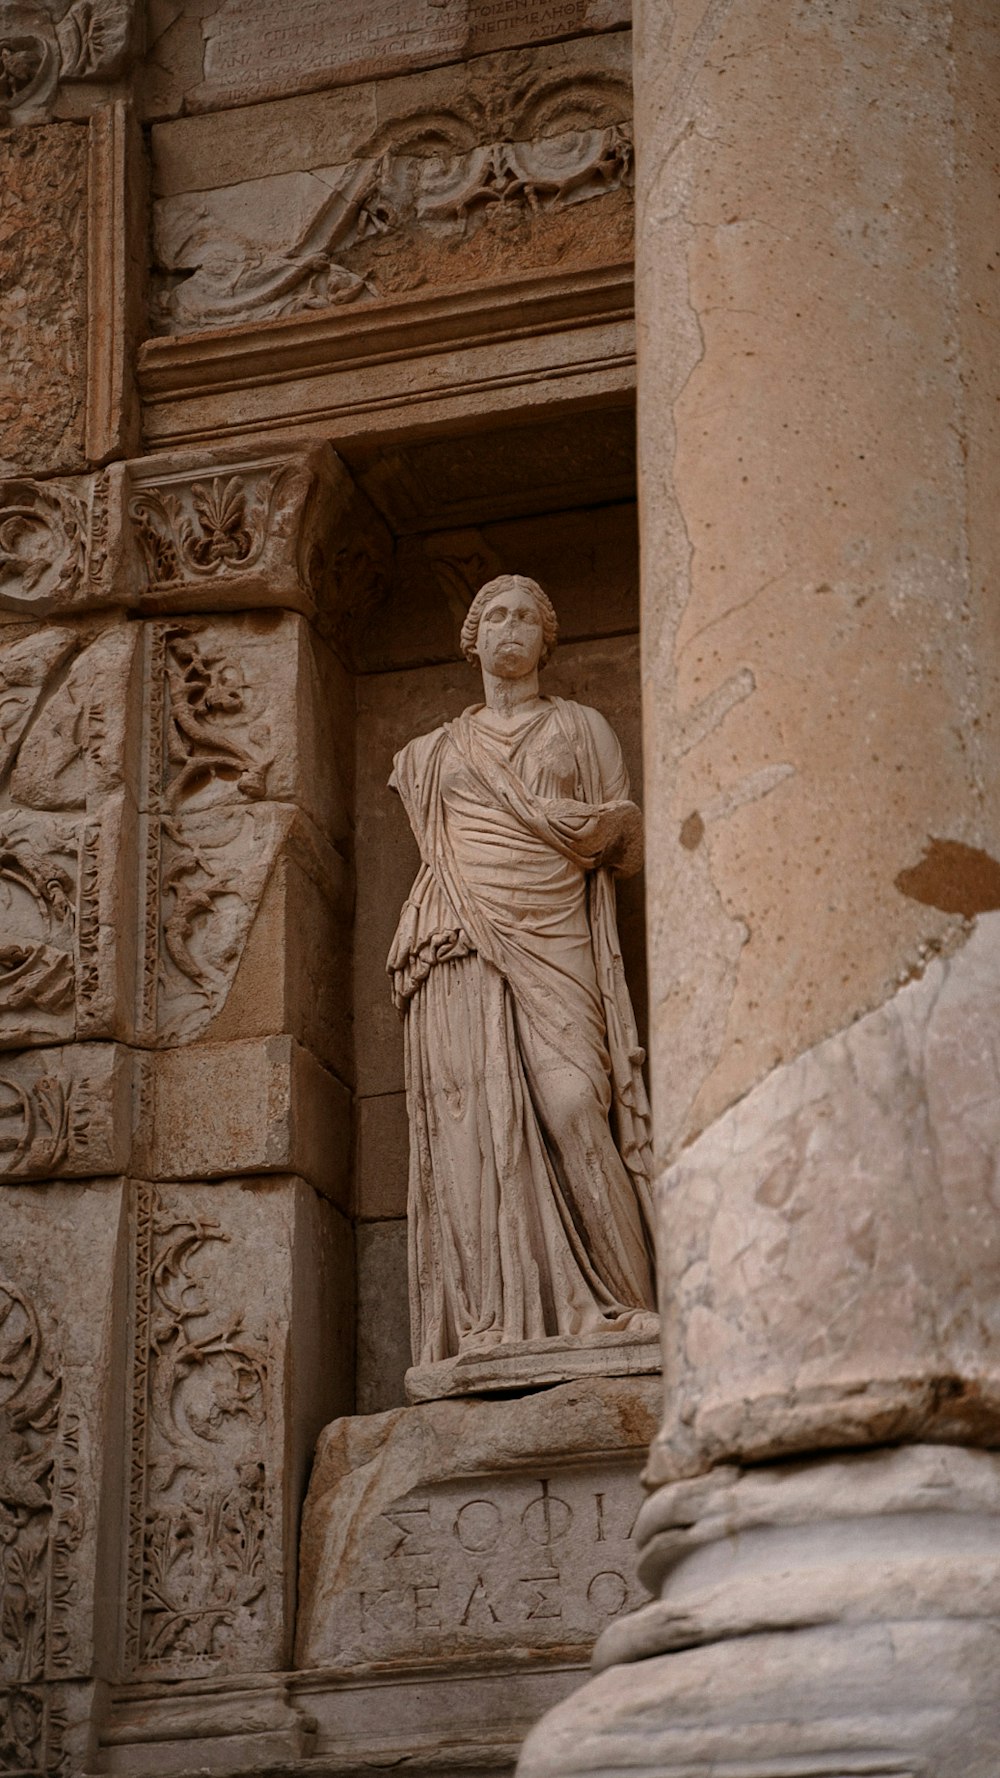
467, 169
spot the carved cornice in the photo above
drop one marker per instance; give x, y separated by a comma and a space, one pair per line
304, 369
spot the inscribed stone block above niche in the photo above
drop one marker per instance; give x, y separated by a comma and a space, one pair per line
238, 52
459, 176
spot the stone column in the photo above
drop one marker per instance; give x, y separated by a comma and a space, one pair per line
816, 294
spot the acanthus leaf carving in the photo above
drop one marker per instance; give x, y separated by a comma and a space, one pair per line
207, 529
199, 1511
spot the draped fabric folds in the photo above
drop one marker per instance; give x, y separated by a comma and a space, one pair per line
529, 1202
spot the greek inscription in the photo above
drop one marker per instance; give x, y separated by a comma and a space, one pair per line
413, 1525
542, 1596
426, 1606
373, 1613
478, 1525
608, 1592
548, 1518
477, 1605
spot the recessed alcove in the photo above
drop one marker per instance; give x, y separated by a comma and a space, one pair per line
553, 498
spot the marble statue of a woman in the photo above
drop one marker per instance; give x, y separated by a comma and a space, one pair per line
529, 1125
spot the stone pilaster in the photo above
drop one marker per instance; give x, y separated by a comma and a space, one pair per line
817, 462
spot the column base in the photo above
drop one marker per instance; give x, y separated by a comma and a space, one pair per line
813, 1620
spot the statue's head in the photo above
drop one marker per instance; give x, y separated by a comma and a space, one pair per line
498, 593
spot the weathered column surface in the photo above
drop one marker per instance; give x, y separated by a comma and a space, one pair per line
818, 400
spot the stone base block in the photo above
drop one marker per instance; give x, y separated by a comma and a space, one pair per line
535, 1364
472, 1531
327, 1725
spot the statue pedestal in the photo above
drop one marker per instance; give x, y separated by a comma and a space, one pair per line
474, 1531
536, 1364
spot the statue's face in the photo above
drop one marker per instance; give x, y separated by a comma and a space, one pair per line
509, 640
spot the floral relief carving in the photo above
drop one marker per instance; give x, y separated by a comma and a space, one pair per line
535, 148
205, 529
41, 1518
43, 543
213, 839
54, 539
200, 1511
63, 712
64, 1111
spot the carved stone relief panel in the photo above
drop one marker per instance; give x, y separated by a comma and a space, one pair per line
247, 777
469, 174
458, 1530
55, 1415
66, 1112
43, 295
222, 1420
53, 41
68, 741
61, 545
244, 52
226, 532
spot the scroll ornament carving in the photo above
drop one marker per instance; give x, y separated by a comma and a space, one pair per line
424, 174
61, 746
41, 1520
44, 537
205, 530
214, 849
92, 40
35, 972
200, 1411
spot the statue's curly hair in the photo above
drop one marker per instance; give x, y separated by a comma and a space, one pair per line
510, 583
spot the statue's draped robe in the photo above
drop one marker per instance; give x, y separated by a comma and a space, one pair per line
528, 1210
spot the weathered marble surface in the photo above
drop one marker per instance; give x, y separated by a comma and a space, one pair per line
830, 1257
471, 1529
237, 52
818, 537
43, 298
